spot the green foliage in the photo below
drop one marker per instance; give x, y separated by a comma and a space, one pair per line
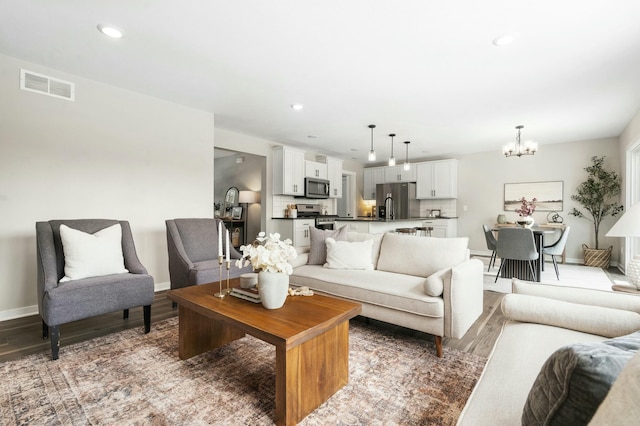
597, 194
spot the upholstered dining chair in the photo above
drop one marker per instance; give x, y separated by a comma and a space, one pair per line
557, 248
491, 245
516, 244
88, 267
193, 252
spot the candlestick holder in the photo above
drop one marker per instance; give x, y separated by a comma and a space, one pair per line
221, 294
228, 290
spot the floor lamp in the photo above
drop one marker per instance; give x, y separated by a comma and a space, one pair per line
629, 226
246, 197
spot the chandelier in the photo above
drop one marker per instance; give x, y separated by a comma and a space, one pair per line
519, 148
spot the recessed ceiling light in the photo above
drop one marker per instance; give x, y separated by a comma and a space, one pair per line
297, 107
504, 39
110, 31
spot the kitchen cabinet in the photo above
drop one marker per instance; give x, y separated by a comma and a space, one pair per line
437, 179
442, 228
399, 174
334, 174
295, 229
315, 169
288, 171
372, 177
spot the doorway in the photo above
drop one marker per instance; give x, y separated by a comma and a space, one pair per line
346, 206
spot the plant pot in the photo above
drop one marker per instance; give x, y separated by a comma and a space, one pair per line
598, 258
273, 288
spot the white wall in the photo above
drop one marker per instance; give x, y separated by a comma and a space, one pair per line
110, 154
481, 179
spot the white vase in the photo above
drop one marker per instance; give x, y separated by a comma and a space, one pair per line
273, 288
526, 222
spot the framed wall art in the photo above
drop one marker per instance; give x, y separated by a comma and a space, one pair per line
236, 212
549, 195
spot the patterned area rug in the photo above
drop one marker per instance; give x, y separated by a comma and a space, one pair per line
137, 379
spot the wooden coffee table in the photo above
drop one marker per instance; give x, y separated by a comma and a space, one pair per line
310, 333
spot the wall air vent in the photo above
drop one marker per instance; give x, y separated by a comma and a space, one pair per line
46, 85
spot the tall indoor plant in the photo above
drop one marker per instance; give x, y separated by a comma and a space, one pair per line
598, 196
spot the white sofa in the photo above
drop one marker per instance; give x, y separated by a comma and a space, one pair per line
542, 319
423, 283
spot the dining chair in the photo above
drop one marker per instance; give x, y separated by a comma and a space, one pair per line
557, 248
491, 245
516, 244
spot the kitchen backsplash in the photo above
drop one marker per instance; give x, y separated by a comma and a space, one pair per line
447, 207
280, 203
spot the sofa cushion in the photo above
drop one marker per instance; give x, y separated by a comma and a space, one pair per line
605, 322
420, 256
348, 254
92, 255
621, 407
375, 247
574, 381
434, 284
318, 250
397, 291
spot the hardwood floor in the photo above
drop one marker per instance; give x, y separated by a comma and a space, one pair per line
23, 336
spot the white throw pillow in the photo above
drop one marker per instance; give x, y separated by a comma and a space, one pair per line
348, 255
92, 255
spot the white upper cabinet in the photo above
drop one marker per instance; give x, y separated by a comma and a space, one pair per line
314, 169
437, 179
288, 171
398, 174
334, 174
372, 177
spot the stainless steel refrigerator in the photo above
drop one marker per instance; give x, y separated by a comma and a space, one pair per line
397, 200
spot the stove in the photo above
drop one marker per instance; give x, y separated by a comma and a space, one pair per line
322, 221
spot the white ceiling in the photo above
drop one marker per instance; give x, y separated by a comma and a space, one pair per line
424, 70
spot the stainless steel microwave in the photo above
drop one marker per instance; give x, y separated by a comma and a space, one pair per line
316, 188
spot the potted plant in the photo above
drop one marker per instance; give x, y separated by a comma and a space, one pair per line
597, 195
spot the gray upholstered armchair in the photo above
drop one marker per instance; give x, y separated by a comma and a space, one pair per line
60, 302
193, 252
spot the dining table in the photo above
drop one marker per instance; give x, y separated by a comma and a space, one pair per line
520, 268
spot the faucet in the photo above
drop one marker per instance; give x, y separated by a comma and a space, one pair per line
389, 207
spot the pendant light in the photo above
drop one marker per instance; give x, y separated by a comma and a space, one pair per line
372, 153
392, 159
518, 149
406, 166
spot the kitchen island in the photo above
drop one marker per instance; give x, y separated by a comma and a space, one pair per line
442, 227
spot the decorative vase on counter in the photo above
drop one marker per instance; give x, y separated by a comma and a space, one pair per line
526, 221
273, 288
502, 219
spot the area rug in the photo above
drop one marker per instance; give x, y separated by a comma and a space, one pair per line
570, 275
137, 379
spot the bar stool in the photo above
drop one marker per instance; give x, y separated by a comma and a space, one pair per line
424, 231
407, 231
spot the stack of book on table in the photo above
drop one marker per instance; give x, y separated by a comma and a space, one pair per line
250, 294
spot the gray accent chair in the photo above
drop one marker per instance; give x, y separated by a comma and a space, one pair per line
491, 245
557, 248
193, 252
516, 244
63, 302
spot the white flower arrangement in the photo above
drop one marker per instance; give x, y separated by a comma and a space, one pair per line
268, 254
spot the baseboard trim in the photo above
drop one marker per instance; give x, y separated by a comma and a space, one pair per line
26, 311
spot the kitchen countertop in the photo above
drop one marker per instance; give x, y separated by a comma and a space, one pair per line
372, 219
